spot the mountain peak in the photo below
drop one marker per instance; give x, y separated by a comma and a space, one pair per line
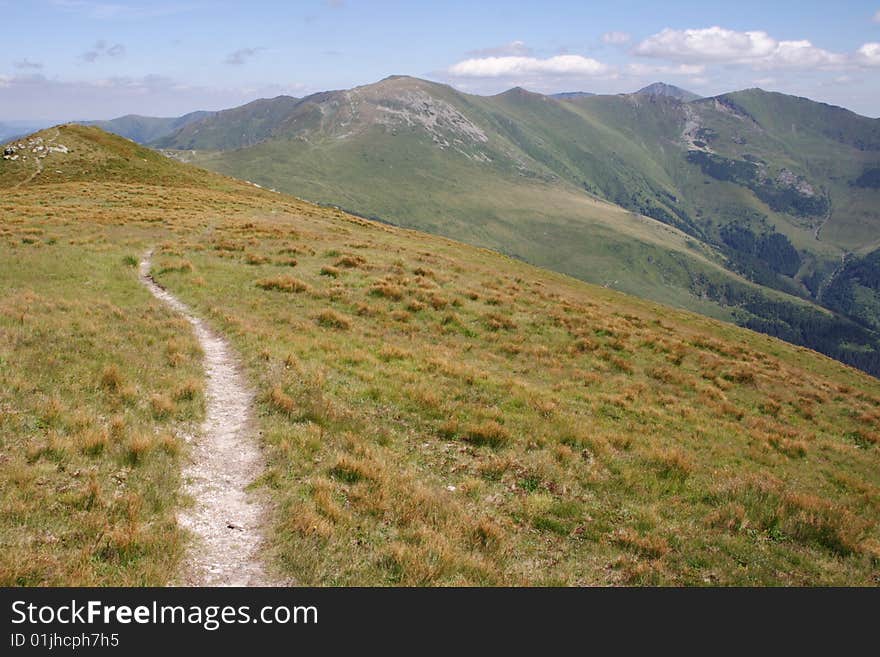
400, 77
518, 93
401, 83
668, 90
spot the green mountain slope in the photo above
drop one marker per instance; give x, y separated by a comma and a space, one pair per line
755, 203
810, 162
234, 128
405, 150
430, 413
146, 129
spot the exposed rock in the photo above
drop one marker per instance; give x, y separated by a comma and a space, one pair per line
439, 118
787, 178
691, 132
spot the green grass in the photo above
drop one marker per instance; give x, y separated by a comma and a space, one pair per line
407, 436
89, 436
433, 414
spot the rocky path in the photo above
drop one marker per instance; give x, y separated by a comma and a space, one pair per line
226, 520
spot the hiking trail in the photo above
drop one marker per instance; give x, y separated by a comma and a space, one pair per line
226, 519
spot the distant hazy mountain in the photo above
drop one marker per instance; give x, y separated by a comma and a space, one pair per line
10, 130
145, 129
568, 95
740, 206
663, 89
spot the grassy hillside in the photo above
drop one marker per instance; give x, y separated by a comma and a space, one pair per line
829, 147
75, 153
432, 413
750, 200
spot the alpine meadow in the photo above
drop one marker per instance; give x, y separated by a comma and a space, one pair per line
431, 413
314, 309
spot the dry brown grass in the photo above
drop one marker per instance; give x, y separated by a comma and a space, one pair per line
281, 401
489, 433
351, 261
387, 290
283, 284
671, 463
652, 547
332, 319
188, 390
111, 379
255, 259
768, 506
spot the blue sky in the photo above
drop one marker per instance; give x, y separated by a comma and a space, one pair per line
78, 59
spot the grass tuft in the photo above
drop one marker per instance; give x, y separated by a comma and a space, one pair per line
489, 433
387, 290
333, 320
283, 284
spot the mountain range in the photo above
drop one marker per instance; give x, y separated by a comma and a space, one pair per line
754, 207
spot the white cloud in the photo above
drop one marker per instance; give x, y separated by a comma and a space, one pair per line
561, 65
876, 18
512, 49
801, 54
755, 48
712, 43
869, 55
616, 38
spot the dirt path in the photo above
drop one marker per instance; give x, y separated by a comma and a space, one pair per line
225, 520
